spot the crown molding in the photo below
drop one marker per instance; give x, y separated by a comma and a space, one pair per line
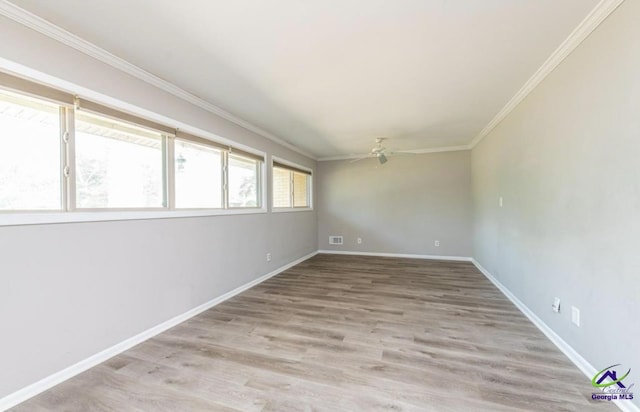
437, 149
415, 151
341, 157
32, 21
599, 13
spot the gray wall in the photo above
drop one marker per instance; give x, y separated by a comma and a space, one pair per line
567, 162
71, 290
401, 207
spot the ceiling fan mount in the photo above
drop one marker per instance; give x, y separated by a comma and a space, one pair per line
378, 151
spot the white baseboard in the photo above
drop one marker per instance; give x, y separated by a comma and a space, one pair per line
585, 367
398, 255
73, 370
50, 381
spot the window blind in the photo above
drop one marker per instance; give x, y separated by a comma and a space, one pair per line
292, 168
89, 106
206, 142
28, 87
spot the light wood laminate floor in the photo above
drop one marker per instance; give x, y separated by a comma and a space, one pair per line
339, 333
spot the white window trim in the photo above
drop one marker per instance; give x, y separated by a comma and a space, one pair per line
68, 214
262, 173
36, 218
291, 209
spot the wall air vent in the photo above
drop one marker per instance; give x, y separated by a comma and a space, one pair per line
336, 240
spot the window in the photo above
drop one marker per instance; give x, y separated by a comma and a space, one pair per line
243, 181
281, 187
63, 153
198, 176
30, 159
117, 165
300, 189
291, 187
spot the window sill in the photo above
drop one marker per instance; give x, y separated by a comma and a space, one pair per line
46, 218
291, 209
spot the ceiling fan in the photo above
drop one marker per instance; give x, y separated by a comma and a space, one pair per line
378, 151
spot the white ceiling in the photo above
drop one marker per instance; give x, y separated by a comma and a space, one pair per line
329, 76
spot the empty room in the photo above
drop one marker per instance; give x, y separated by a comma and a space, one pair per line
357, 205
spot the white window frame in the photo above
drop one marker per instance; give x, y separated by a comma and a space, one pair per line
63, 119
260, 183
71, 184
69, 214
171, 192
275, 159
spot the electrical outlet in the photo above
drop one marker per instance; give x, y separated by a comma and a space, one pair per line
359, 240
575, 315
437, 243
556, 305
268, 257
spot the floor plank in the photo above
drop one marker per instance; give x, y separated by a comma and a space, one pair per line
342, 333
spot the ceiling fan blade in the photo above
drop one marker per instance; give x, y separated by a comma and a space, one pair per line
382, 158
359, 158
401, 153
